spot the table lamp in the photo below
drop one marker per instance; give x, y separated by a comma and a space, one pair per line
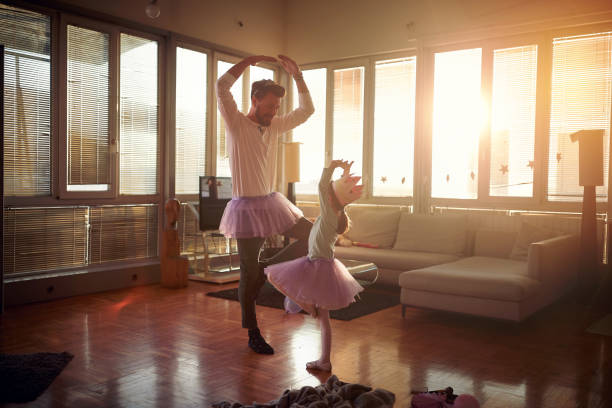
292, 168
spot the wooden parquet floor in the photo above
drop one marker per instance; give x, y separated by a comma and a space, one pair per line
156, 347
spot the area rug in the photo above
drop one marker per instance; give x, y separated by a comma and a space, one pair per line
23, 377
370, 300
602, 326
334, 393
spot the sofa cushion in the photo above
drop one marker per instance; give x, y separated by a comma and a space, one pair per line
497, 244
476, 276
444, 234
374, 225
528, 234
394, 259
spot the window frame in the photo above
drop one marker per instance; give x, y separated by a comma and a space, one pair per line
366, 152
589, 29
20, 201
425, 54
161, 119
540, 126
59, 20
113, 62
210, 95
64, 196
407, 200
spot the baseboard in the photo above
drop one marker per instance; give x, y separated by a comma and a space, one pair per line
44, 288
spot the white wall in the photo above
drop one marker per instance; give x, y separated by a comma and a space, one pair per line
323, 30
215, 21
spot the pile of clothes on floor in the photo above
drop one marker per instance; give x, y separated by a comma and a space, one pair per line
334, 394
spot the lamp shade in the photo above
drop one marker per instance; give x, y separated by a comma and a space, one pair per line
292, 162
590, 156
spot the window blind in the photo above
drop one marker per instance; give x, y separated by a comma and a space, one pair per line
581, 99
223, 168
122, 233
42, 239
191, 119
457, 121
311, 134
139, 153
513, 110
394, 108
27, 105
348, 116
88, 114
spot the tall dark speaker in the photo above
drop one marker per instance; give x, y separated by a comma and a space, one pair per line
2, 178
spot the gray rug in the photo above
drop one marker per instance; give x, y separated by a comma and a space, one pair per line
602, 326
371, 300
23, 377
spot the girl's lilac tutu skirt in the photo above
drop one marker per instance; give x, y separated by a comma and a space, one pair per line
262, 216
325, 283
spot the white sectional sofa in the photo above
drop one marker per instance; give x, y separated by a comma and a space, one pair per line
500, 266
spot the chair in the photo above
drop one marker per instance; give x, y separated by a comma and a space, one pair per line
215, 193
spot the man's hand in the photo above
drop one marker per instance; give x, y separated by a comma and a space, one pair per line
239, 68
289, 65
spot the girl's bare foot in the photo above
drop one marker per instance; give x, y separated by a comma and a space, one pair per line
319, 365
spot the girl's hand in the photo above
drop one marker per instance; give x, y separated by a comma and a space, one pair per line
347, 167
336, 163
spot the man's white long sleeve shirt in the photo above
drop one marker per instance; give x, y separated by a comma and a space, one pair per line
252, 148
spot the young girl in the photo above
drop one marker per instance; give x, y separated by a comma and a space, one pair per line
318, 282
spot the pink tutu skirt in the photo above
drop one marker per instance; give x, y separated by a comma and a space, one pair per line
325, 283
263, 216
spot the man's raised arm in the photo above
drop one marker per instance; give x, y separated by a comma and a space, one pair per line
306, 107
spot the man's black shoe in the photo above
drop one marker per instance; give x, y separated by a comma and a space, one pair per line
258, 344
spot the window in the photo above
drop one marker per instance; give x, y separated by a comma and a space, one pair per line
348, 116
191, 119
139, 154
27, 102
394, 108
257, 74
457, 121
223, 168
88, 134
581, 99
513, 121
311, 134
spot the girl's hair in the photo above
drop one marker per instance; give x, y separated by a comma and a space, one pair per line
343, 219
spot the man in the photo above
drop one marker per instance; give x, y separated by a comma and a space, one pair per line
255, 211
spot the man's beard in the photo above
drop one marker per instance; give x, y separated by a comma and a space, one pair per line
263, 120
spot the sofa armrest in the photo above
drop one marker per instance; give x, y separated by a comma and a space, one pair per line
554, 260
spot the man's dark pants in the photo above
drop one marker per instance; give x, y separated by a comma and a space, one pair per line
252, 275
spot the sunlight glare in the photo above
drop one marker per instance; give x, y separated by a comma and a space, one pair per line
459, 113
